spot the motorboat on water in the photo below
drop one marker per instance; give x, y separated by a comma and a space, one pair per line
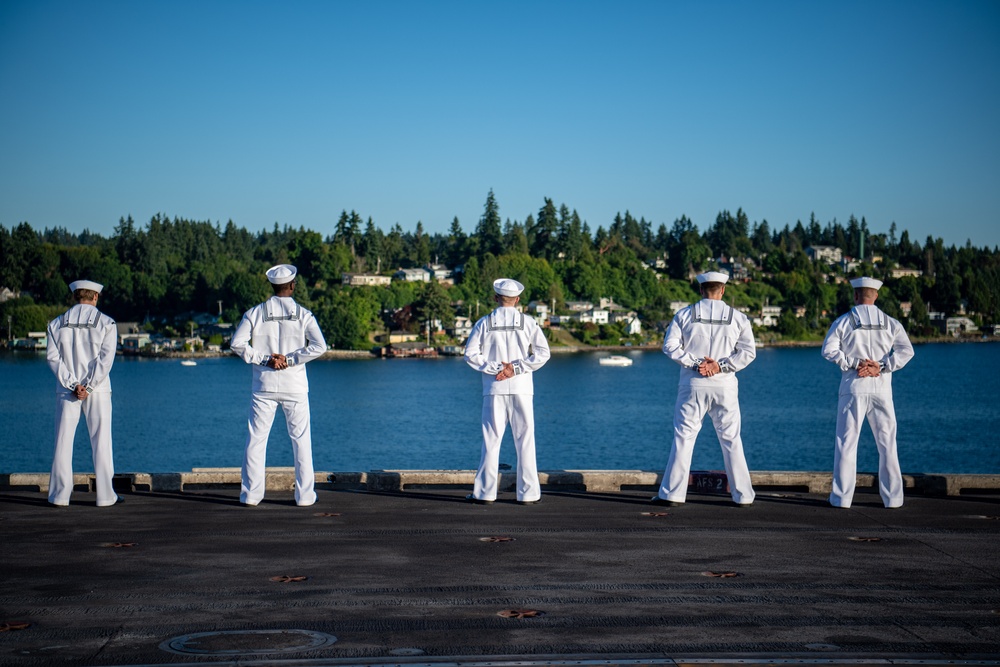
189, 362
615, 360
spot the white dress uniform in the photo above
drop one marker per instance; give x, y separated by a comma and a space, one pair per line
278, 326
708, 328
506, 335
80, 351
865, 332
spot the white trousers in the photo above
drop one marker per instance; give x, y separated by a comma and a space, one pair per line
722, 405
881, 414
263, 406
96, 410
498, 410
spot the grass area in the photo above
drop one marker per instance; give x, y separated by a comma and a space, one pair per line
562, 338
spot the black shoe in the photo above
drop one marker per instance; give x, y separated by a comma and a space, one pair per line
657, 500
478, 501
742, 505
528, 502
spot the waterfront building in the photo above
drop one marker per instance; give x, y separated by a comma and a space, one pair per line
901, 272
133, 343
955, 326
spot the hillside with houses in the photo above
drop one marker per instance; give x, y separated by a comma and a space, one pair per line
178, 285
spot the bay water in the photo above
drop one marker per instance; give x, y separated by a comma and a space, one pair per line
373, 414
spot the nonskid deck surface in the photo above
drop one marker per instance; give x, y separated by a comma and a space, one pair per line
424, 577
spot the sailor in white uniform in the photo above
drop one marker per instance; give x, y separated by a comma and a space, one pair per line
80, 351
507, 347
712, 342
278, 337
869, 346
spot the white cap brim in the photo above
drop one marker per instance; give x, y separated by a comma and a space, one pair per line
507, 287
85, 284
281, 274
713, 277
865, 281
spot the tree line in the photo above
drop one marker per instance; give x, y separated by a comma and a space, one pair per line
168, 269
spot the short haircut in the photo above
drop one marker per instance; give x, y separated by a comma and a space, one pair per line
281, 287
507, 300
84, 295
867, 292
712, 288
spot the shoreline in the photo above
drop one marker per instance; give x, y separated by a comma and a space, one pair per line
333, 355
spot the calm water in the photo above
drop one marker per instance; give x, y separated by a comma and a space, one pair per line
424, 414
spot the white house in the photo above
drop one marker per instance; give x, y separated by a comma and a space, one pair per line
362, 279
959, 325
595, 316
439, 271
7, 293
462, 328
633, 326
825, 253
538, 307
678, 306
413, 275
901, 272
769, 316
579, 306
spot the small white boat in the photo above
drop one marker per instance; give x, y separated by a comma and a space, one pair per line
189, 362
615, 360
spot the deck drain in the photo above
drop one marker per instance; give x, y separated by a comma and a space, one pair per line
406, 651
520, 613
120, 545
8, 626
287, 579
656, 514
865, 539
246, 642
496, 538
327, 514
721, 575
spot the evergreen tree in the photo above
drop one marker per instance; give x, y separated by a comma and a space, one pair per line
488, 231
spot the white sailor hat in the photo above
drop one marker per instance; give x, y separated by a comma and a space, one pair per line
85, 284
507, 287
865, 281
713, 277
281, 274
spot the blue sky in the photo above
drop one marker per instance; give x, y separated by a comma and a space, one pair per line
290, 112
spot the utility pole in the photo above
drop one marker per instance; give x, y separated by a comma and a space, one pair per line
220, 307
9, 337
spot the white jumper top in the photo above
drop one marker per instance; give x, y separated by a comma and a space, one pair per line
865, 332
279, 326
506, 335
81, 349
710, 328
